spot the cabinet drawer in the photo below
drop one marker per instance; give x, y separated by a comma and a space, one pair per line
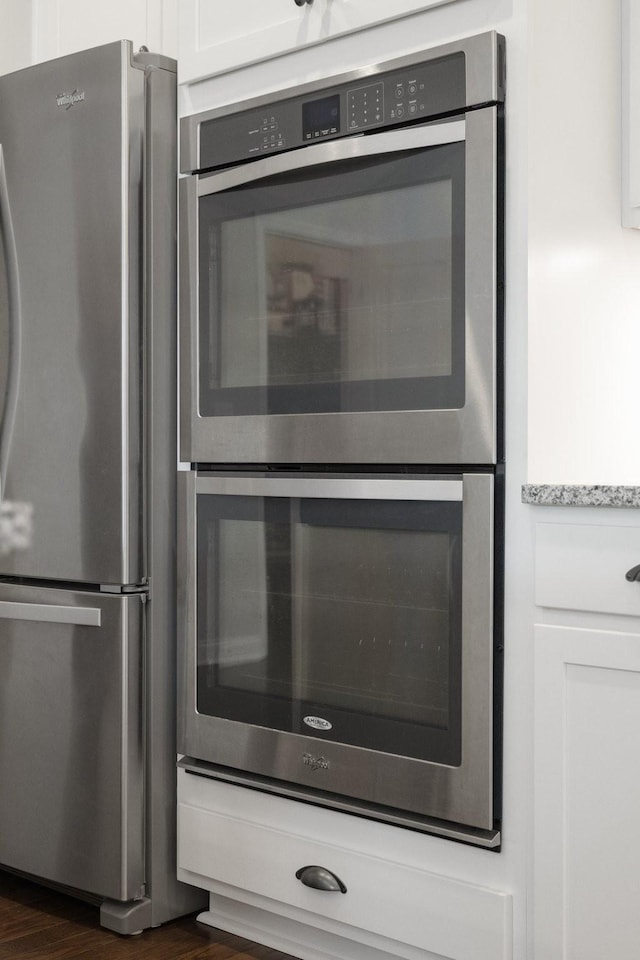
582, 567
218, 840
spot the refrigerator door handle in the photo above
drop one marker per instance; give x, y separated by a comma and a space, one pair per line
8, 412
50, 613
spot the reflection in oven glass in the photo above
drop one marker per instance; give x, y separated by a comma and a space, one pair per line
353, 290
346, 618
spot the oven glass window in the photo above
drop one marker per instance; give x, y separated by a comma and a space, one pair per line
337, 619
337, 289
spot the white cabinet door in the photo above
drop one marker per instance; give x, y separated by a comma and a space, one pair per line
587, 794
216, 37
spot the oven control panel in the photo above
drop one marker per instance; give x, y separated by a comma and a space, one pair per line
419, 92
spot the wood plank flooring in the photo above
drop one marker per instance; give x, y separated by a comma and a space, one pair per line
41, 924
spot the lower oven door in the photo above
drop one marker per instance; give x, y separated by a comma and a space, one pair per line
339, 636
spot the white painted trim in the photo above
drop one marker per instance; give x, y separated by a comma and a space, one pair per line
297, 938
630, 37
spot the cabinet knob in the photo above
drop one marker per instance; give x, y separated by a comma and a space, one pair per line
319, 877
633, 574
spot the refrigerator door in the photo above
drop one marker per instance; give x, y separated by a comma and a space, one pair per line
71, 377
71, 791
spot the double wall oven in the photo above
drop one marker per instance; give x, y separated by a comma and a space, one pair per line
341, 406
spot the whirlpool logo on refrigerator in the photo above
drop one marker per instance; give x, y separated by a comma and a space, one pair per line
67, 100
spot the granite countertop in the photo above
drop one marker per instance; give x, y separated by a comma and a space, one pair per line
579, 495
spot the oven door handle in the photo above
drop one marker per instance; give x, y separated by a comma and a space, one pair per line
333, 488
352, 148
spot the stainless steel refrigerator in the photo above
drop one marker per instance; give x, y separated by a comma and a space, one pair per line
88, 437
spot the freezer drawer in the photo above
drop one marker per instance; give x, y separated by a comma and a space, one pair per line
71, 749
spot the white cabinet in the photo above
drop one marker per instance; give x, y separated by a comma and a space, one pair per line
587, 731
587, 794
246, 847
216, 38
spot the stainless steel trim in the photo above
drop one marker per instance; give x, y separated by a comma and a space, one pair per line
188, 312
484, 58
410, 138
50, 613
490, 839
8, 415
366, 488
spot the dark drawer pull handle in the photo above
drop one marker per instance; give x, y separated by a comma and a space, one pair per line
301, 3
320, 879
633, 574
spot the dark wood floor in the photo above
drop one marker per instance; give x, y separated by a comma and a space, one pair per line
40, 924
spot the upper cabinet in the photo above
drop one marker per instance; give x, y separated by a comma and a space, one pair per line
215, 38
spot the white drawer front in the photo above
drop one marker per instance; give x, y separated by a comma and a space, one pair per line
392, 900
582, 567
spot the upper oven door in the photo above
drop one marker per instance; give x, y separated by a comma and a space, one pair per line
340, 302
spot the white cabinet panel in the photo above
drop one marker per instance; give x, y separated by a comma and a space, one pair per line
582, 566
215, 37
252, 857
587, 794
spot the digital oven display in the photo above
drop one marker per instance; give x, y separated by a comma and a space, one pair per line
320, 118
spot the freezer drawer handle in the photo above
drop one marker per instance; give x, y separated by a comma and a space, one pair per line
320, 879
50, 613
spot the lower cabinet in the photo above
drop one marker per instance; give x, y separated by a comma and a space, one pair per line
247, 848
587, 794
587, 737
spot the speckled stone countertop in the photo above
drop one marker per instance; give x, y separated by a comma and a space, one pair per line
567, 495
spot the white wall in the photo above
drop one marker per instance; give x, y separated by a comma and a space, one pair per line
584, 267
64, 26
43, 29
15, 35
